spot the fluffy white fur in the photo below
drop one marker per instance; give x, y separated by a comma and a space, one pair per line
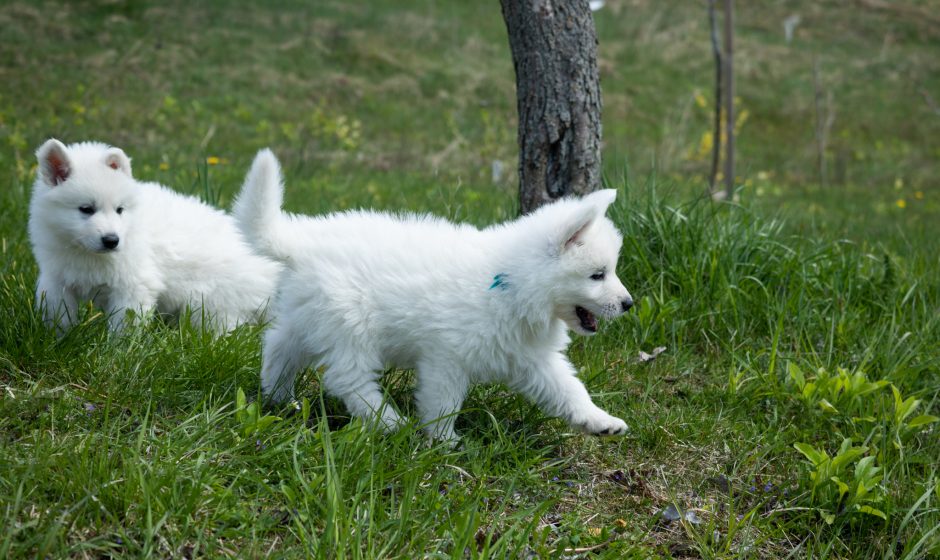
100, 235
364, 290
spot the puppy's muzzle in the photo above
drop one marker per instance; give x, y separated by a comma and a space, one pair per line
626, 304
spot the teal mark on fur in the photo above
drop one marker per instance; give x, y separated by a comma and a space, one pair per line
500, 281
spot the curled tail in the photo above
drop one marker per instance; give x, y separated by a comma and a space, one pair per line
257, 209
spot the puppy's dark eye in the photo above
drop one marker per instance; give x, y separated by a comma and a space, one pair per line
120, 209
598, 276
87, 209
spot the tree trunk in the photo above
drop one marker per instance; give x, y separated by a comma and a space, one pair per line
554, 51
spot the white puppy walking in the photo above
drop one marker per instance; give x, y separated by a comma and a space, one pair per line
100, 235
364, 290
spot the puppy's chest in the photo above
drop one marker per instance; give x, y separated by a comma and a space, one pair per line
97, 281
99, 293
84, 277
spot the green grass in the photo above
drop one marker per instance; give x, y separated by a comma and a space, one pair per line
132, 446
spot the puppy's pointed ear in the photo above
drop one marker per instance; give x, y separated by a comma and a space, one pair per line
55, 167
118, 160
591, 207
601, 199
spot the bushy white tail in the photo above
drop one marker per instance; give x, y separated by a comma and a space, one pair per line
257, 209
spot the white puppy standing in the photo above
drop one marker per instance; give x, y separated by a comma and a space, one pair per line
100, 235
364, 290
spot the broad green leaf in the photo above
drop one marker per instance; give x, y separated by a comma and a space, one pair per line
809, 389
827, 517
922, 420
906, 409
827, 406
843, 487
265, 421
846, 457
845, 445
861, 490
289, 492
864, 469
897, 398
815, 457
796, 374
871, 511
867, 388
240, 401
838, 386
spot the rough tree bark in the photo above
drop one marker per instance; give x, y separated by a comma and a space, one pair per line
554, 51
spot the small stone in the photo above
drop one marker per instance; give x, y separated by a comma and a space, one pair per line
672, 513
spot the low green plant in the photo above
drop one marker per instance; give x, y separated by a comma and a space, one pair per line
736, 379
249, 417
840, 393
334, 130
903, 427
837, 490
651, 318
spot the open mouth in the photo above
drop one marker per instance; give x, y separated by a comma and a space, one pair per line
588, 320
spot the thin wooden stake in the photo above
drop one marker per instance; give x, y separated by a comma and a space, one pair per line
728, 71
716, 135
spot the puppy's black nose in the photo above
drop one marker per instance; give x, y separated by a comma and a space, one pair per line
626, 304
110, 241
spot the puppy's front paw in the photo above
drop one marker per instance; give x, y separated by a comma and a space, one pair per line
599, 423
616, 427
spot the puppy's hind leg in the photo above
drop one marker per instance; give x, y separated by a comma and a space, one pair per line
282, 357
355, 380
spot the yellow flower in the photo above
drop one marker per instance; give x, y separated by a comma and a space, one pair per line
901, 203
164, 166
704, 147
212, 160
919, 195
700, 100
